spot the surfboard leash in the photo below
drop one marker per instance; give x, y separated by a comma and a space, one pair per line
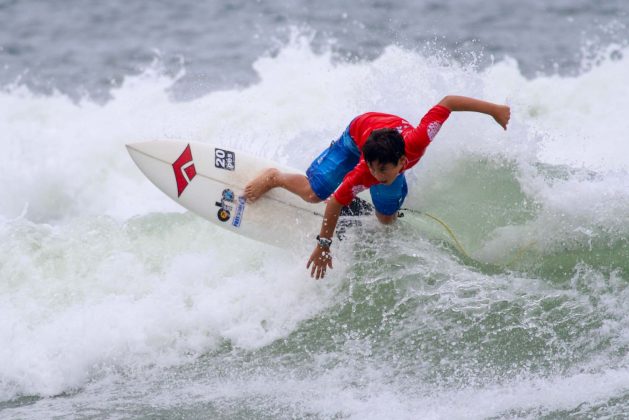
448, 229
518, 255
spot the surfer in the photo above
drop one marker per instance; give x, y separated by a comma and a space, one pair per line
372, 153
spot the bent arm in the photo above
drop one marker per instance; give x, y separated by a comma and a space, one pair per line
500, 113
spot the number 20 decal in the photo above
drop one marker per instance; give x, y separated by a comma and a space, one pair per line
224, 159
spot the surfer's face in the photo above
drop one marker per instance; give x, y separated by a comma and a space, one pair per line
386, 173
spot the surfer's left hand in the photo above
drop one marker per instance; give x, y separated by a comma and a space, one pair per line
502, 115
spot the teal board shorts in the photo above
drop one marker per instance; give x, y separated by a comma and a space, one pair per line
327, 171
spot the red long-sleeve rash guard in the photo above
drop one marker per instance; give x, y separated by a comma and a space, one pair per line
416, 140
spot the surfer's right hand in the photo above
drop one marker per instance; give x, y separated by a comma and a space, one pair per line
321, 259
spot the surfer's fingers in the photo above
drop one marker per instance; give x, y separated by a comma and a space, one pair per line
321, 270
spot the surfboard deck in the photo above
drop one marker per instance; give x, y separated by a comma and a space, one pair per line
209, 180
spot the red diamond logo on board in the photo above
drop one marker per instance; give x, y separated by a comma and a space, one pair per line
184, 170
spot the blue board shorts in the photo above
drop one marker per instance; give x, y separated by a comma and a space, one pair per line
327, 171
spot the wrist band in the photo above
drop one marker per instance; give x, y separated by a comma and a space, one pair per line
324, 242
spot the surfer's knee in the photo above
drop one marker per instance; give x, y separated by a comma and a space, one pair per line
386, 220
304, 189
311, 197
272, 176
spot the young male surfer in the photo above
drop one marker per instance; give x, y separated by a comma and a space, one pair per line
373, 153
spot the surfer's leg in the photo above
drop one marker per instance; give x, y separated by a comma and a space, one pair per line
384, 219
298, 184
322, 177
272, 178
388, 199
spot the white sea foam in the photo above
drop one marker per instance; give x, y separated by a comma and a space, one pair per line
94, 292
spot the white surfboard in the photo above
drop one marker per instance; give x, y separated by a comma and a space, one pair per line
209, 180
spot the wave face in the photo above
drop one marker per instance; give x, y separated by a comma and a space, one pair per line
115, 300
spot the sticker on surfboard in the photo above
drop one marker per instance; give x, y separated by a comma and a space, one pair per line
224, 159
226, 205
224, 208
184, 170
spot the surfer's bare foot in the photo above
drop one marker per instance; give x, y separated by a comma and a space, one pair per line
269, 178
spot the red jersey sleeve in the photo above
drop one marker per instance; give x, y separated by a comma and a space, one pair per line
356, 181
417, 140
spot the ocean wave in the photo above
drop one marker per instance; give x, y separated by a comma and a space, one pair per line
99, 269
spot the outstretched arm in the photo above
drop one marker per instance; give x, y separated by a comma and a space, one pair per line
500, 113
321, 258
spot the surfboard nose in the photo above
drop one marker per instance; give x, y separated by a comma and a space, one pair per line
155, 160
145, 147
165, 150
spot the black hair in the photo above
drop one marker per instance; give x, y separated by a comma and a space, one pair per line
385, 146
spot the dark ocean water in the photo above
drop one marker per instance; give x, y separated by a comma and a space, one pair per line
114, 303
80, 47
